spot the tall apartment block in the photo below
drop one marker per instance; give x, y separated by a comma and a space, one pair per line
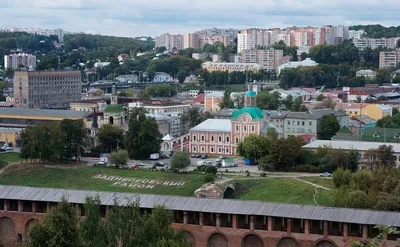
47, 89
192, 40
253, 38
389, 59
170, 41
269, 59
21, 59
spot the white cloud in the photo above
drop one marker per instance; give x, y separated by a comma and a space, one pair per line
152, 17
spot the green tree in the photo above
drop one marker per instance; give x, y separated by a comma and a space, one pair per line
226, 101
327, 127
91, 227
254, 147
353, 160
284, 154
110, 136
181, 76
268, 101
395, 110
341, 177
288, 102
339, 159
119, 158
59, 228
180, 160
143, 137
75, 137
320, 97
382, 76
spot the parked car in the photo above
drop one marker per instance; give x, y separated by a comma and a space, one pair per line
138, 163
2, 149
103, 161
221, 157
9, 148
326, 174
195, 156
158, 163
204, 156
165, 156
134, 166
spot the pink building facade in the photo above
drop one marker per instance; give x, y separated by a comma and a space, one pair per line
222, 136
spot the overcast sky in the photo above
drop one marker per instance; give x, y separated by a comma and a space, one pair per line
151, 17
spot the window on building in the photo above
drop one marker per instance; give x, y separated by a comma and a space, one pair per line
253, 128
310, 123
245, 128
220, 138
202, 149
227, 151
227, 139
194, 149
202, 138
212, 150
302, 123
237, 127
355, 112
298, 122
219, 150
294, 122
288, 122
212, 138
237, 140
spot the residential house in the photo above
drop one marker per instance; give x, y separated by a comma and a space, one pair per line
359, 146
367, 73
306, 123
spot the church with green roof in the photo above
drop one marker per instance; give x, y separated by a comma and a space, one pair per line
222, 136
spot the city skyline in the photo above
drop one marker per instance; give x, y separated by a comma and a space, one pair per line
152, 17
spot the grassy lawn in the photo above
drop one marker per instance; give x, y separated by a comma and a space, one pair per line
326, 182
285, 190
96, 178
5, 158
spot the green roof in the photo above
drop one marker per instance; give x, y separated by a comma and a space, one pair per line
344, 131
250, 94
114, 109
255, 113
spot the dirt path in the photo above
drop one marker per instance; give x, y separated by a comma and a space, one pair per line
313, 184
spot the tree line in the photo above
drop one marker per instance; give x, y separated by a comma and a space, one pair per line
57, 141
286, 154
63, 226
378, 31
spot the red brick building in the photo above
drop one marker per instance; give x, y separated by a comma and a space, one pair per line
210, 222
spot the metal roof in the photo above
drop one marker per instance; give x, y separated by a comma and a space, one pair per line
43, 113
214, 125
347, 145
226, 206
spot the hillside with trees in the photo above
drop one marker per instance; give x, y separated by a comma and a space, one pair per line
378, 31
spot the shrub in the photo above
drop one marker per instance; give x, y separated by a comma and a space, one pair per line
209, 178
211, 169
226, 171
263, 174
341, 177
308, 168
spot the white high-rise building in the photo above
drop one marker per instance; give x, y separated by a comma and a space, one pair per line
21, 59
252, 38
356, 34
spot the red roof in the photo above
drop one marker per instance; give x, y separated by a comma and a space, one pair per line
199, 99
308, 137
